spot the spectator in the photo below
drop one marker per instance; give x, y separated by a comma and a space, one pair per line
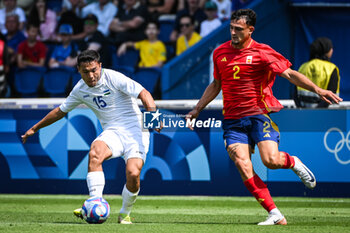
94, 40
45, 18
188, 36
3, 68
11, 7
25, 5
105, 11
160, 7
64, 54
224, 9
71, 14
14, 36
73, 5
195, 12
212, 22
320, 71
31, 52
129, 23
152, 50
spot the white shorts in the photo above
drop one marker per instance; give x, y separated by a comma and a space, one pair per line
133, 143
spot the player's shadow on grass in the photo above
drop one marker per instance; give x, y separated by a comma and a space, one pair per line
199, 223
67, 222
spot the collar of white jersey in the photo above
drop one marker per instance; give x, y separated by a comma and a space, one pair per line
99, 82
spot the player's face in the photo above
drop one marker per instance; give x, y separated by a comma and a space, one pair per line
90, 72
186, 26
151, 31
32, 33
240, 33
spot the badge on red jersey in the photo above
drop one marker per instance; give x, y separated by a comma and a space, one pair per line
249, 60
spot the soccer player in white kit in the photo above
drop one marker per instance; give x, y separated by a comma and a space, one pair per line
112, 97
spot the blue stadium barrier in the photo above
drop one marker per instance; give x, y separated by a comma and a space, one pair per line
179, 161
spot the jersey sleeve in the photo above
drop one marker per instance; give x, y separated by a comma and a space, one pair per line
70, 102
274, 60
138, 45
216, 69
127, 85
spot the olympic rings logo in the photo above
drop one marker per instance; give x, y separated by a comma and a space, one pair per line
340, 144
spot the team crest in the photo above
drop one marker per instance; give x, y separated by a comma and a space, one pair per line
249, 60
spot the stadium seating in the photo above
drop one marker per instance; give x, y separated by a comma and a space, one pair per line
126, 63
75, 78
148, 78
55, 5
57, 80
166, 26
27, 81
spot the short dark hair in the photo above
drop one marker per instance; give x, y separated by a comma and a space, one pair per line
187, 16
248, 14
32, 25
154, 22
88, 56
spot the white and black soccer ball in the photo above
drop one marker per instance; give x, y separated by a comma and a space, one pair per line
95, 210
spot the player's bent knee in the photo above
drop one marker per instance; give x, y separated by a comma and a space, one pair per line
95, 158
271, 162
133, 174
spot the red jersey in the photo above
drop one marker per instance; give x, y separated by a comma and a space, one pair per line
247, 76
34, 53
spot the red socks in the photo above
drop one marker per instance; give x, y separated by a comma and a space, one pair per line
259, 190
289, 161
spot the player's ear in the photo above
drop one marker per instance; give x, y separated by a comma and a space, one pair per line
251, 29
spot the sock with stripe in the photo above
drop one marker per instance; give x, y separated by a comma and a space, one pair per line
289, 161
259, 190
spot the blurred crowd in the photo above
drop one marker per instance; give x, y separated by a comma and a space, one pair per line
50, 34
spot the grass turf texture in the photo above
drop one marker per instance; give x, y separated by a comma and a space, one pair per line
54, 213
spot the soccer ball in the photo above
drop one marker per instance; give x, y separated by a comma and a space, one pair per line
95, 210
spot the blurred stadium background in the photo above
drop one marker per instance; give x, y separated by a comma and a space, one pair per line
187, 162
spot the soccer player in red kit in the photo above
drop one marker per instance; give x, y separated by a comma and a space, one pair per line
245, 70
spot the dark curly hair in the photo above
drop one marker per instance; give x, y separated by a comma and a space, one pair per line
248, 14
88, 56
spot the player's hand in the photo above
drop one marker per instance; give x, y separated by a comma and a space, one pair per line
329, 96
122, 50
25, 136
191, 115
160, 128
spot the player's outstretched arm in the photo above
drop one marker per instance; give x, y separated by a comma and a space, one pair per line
50, 118
148, 103
209, 94
302, 81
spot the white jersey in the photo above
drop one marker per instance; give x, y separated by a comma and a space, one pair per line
113, 100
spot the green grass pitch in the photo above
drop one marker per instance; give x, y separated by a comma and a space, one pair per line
54, 213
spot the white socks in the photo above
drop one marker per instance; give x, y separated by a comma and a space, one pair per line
129, 199
96, 183
275, 211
